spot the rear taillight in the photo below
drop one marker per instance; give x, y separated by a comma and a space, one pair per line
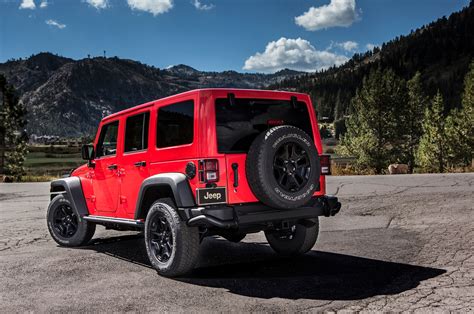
209, 170
325, 161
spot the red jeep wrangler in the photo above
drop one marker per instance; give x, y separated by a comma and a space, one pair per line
206, 162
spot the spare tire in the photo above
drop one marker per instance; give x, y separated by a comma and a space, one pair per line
283, 167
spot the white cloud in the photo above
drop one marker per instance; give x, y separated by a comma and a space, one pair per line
348, 45
55, 24
370, 46
200, 6
27, 4
98, 4
297, 54
336, 13
154, 7
43, 4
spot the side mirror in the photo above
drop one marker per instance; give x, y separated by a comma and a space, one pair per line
88, 152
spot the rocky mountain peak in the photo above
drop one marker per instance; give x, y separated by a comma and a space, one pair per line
182, 69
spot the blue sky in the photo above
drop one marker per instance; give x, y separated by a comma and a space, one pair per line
212, 35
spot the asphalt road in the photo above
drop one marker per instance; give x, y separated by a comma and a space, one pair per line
401, 242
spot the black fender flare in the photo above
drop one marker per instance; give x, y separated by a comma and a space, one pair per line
72, 190
177, 182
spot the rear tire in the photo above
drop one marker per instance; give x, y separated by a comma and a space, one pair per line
298, 242
64, 225
171, 245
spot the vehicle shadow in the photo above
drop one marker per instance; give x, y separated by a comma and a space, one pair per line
253, 270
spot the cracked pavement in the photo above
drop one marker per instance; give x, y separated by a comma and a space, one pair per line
400, 243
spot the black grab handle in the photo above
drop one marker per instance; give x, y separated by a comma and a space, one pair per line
235, 166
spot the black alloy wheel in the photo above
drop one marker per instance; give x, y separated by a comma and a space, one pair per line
65, 221
65, 225
291, 167
161, 240
171, 245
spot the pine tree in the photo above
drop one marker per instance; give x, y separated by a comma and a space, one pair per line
13, 135
338, 107
432, 154
372, 128
460, 125
411, 119
3, 83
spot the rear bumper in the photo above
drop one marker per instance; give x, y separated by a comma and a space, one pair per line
257, 214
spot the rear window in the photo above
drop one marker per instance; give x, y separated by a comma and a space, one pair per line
238, 125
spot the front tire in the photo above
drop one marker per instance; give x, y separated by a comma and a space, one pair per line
298, 240
65, 227
171, 245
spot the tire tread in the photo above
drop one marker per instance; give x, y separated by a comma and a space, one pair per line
188, 251
84, 233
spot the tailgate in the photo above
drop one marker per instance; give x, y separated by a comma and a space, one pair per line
238, 192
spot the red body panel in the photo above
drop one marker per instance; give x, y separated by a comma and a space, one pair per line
114, 192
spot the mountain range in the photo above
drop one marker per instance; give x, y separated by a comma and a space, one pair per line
68, 98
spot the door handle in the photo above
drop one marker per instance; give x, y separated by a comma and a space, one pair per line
140, 164
112, 167
235, 166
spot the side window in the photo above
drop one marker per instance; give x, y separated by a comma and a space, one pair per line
136, 132
175, 124
107, 144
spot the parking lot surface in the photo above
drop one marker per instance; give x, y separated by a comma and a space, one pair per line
402, 242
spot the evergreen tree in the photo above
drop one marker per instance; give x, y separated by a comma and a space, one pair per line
432, 154
411, 118
372, 128
3, 83
460, 125
338, 107
13, 135
339, 128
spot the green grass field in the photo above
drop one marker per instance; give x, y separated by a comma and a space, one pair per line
52, 161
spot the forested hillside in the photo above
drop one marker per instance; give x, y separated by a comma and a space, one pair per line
441, 51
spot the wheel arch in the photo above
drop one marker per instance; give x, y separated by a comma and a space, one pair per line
72, 190
173, 185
